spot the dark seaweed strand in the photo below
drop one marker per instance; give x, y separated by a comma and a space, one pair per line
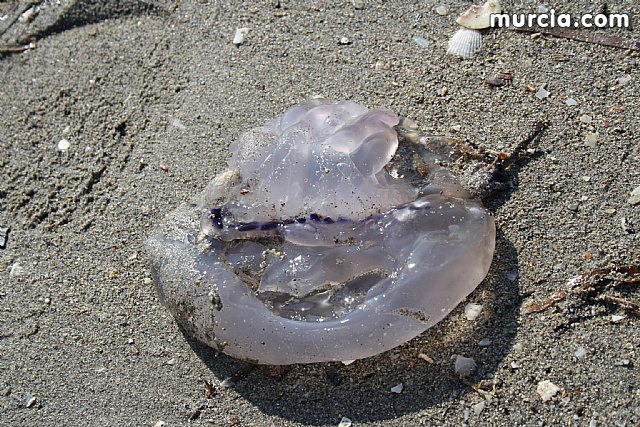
218, 214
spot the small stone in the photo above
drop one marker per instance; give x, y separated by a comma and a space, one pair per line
543, 8
64, 144
591, 139
443, 91
147, 280
344, 41
472, 311
580, 352
571, 102
546, 390
573, 207
635, 196
518, 347
542, 93
397, 389
358, 4
159, 423
442, 10
610, 211
238, 38
456, 128
485, 342
425, 357
345, 422
464, 366
512, 275
347, 362
586, 178
47, 300
16, 270
624, 80
585, 118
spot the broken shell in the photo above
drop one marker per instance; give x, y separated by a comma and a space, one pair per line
464, 42
479, 17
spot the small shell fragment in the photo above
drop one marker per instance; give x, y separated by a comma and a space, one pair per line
472, 311
546, 390
479, 17
397, 389
635, 196
464, 42
238, 38
542, 93
345, 422
421, 41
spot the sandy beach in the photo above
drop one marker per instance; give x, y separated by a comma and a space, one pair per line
114, 113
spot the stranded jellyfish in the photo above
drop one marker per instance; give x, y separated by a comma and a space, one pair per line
334, 235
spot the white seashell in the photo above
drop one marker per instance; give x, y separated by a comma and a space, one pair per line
464, 42
479, 17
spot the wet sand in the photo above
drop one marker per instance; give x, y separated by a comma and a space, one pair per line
148, 95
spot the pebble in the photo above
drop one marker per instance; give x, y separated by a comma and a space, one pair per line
485, 342
472, 311
238, 38
64, 144
147, 280
543, 8
580, 352
358, 4
464, 366
345, 422
397, 389
442, 10
624, 80
16, 270
159, 423
344, 41
635, 196
585, 118
591, 139
610, 211
512, 275
571, 102
425, 357
546, 390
